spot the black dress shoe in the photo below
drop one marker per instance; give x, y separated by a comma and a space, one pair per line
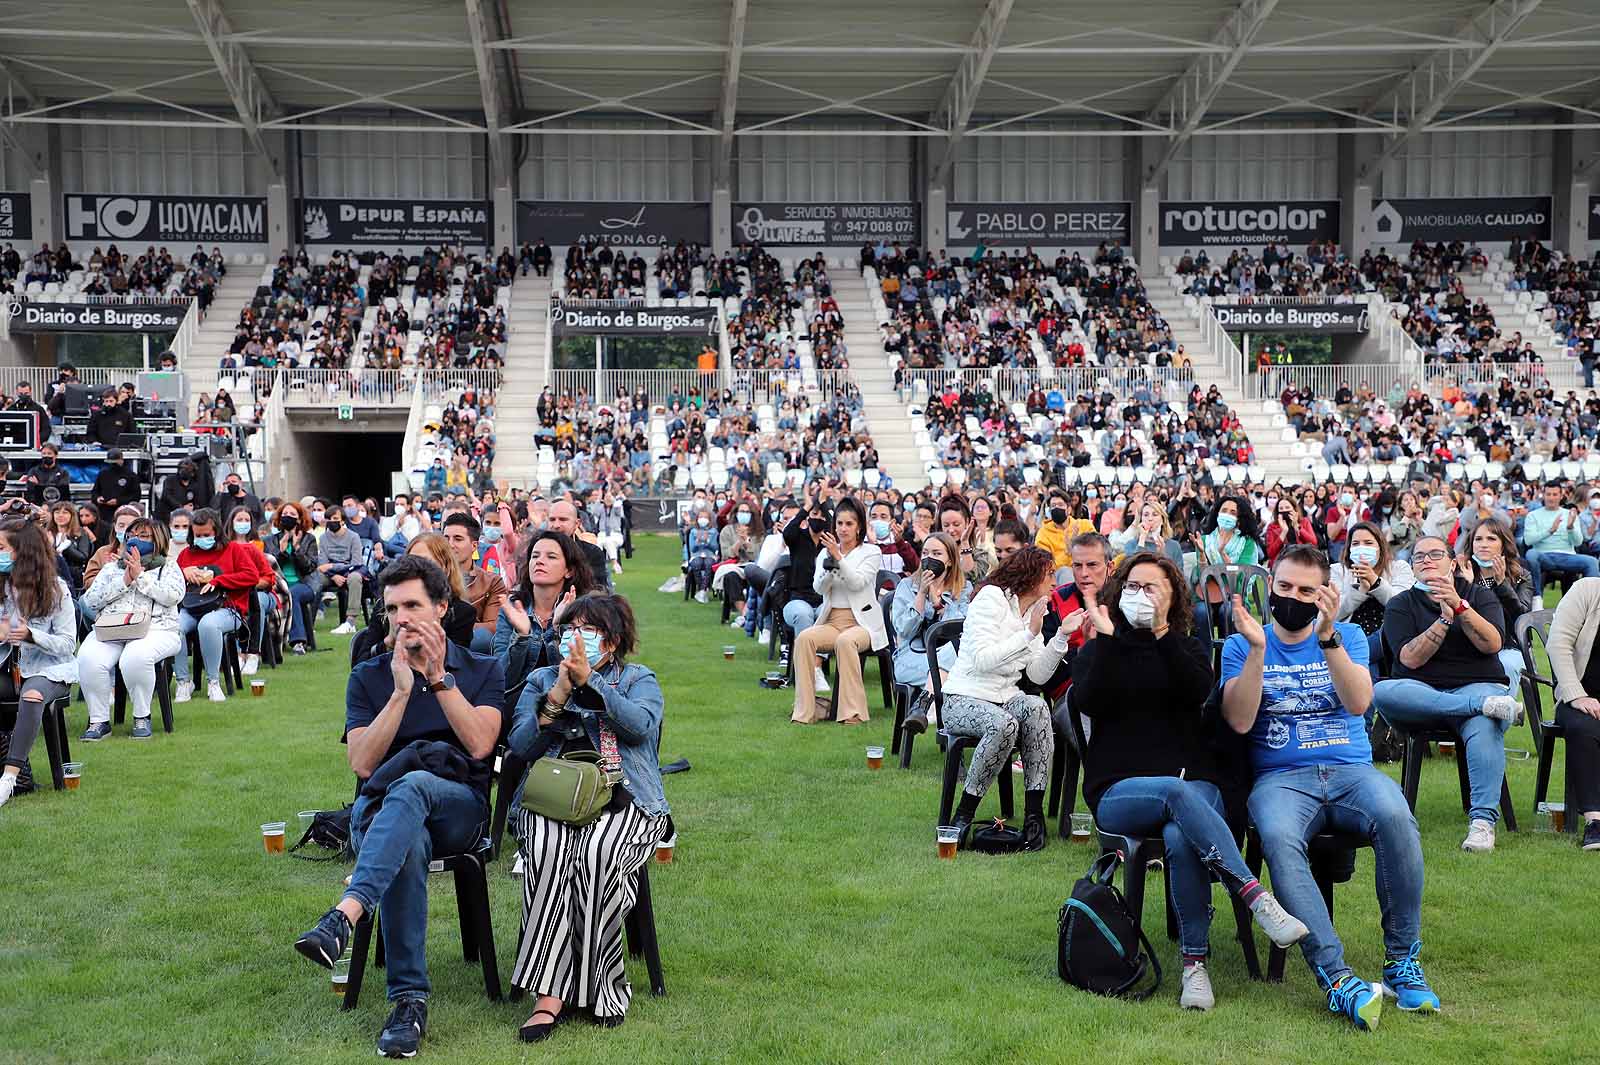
1034, 833
538, 1033
963, 827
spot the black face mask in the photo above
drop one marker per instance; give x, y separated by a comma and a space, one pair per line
1058, 515
818, 525
933, 566
288, 522
1291, 613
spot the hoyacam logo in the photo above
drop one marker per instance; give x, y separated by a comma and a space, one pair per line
107, 217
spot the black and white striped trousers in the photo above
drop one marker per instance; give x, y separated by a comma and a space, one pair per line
578, 886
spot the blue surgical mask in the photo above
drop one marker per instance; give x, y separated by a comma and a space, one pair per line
6, 561
242, 528
180, 536
1227, 522
144, 547
1484, 563
1364, 555
591, 646
744, 517
881, 529
205, 543
491, 534
910, 505
122, 536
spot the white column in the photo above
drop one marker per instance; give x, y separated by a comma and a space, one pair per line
283, 229
1569, 219
721, 221
1355, 195
42, 191
935, 218
504, 219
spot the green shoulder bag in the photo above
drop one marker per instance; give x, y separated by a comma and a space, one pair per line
573, 789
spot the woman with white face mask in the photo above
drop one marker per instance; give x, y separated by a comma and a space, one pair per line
1150, 768
1367, 578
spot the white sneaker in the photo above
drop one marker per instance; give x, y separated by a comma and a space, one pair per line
736, 623
1480, 836
250, 664
1196, 988
616, 567
8, 784
185, 692
1281, 926
214, 692
344, 629
1500, 707
516, 866
822, 682
700, 596
766, 636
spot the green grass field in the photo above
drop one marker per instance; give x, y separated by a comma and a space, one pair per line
806, 918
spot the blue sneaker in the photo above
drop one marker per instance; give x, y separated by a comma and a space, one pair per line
1354, 998
1403, 981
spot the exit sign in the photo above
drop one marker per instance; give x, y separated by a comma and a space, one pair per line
347, 411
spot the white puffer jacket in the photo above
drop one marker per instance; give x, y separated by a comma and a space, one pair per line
997, 648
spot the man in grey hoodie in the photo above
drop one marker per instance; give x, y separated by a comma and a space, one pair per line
340, 557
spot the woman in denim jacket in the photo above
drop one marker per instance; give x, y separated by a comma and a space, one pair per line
554, 575
38, 623
579, 881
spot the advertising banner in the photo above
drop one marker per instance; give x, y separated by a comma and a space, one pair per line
1188, 225
16, 216
628, 222
30, 317
595, 319
1292, 317
179, 219
394, 222
1594, 217
1477, 218
820, 224
1021, 224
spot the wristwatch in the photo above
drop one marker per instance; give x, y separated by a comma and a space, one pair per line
1331, 642
446, 683
1461, 607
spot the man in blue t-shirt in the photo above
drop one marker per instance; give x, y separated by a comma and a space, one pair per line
1300, 689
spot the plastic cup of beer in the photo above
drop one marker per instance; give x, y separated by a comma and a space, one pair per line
949, 836
728, 650
258, 688
1542, 819
71, 774
1558, 816
272, 836
1082, 828
341, 974
1447, 749
664, 849
874, 757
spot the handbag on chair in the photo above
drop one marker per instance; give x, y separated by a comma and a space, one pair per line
122, 627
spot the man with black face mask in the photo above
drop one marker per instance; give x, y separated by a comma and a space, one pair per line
179, 491
48, 482
1299, 689
233, 494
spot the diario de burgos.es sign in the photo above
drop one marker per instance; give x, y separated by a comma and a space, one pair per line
632, 320
1292, 317
29, 317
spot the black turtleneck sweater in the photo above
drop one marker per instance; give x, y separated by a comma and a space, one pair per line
1145, 697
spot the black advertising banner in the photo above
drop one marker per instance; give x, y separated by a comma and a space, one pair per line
596, 319
393, 222
1594, 217
1292, 317
1020, 224
1474, 218
1187, 225
629, 222
16, 216
29, 317
818, 224
180, 219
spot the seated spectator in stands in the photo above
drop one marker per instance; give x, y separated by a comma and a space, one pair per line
1151, 767
1305, 675
1146, 529
139, 578
849, 620
432, 802
1288, 527
1000, 642
220, 577
1576, 668
40, 625
580, 880
1445, 634
936, 591
564, 519
554, 575
295, 549
341, 560
1553, 538
1492, 562
1366, 580
483, 591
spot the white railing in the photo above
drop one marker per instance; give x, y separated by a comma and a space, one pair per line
1222, 346
1325, 380
1013, 385
438, 385
413, 437
274, 429
42, 377
188, 329
362, 388
1402, 346
617, 387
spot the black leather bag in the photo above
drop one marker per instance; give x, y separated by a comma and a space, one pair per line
199, 604
996, 838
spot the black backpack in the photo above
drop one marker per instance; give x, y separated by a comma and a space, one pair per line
1100, 940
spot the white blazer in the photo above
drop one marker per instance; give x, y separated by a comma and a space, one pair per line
855, 585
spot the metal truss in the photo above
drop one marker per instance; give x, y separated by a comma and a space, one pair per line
489, 87
728, 101
250, 97
955, 110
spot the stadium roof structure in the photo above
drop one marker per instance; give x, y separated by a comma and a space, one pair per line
939, 69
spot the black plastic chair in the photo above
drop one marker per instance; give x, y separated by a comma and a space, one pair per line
1065, 766
956, 746
1333, 861
54, 726
163, 694
1546, 731
232, 677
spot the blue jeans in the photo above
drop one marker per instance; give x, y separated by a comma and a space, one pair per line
1411, 702
421, 815
482, 639
1541, 563
799, 615
264, 604
212, 628
299, 595
1187, 814
1290, 806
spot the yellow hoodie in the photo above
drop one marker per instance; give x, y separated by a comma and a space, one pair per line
1055, 538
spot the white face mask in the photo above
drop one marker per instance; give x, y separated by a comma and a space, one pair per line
1364, 555
1138, 609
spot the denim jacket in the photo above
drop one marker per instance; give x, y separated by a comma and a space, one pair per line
524, 654
631, 703
51, 649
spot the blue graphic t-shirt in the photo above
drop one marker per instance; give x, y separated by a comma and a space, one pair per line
1301, 721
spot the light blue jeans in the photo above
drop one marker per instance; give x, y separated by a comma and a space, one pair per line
1411, 702
1290, 806
799, 615
212, 628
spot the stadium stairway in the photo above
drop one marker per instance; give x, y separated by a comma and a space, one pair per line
1562, 371
1273, 454
869, 369
515, 458
215, 335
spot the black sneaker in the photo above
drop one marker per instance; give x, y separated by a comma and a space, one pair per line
141, 728
403, 1031
97, 730
1591, 835
325, 943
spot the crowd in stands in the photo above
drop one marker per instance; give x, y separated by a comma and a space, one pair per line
152, 274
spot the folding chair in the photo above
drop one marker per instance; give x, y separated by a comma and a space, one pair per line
54, 726
1535, 625
955, 746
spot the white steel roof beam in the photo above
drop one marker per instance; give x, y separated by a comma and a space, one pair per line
494, 94
248, 92
728, 103
955, 110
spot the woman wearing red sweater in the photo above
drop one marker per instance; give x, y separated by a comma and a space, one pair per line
219, 577
1288, 526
